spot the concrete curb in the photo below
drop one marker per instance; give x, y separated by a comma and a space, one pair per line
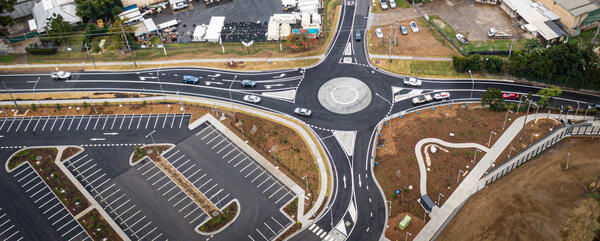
226, 225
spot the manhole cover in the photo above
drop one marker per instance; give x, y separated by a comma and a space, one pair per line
38, 158
149, 151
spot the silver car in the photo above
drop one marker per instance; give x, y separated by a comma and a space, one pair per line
414, 27
252, 99
303, 112
60, 75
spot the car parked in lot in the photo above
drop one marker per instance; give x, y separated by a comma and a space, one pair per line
189, 79
510, 96
384, 5
442, 96
421, 99
414, 27
357, 36
60, 75
379, 33
412, 81
248, 83
392, 4
462, 38
252, 99
404, 30
303, 112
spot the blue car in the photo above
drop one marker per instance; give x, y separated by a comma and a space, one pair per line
188, 79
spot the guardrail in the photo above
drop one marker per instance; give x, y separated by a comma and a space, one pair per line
589, 128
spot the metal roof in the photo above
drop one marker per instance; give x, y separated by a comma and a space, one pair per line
578, 7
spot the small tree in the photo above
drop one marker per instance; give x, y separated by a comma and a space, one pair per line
105, 103
493, 64
493, 98
547, 95
301, 41
85, 105
33, 107
58, 106
532, 44
58, 29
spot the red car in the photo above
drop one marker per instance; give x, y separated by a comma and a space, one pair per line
510, 96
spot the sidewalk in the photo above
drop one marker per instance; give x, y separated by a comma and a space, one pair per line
403, 57
469, 185
181, 61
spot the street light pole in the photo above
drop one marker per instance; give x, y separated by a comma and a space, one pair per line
577, 110
458, 177
472, 85
390, 207
490, 140
407, 233
505, 118
390, 37
475, 157
160, 83
525, 122
11, 96
519, 106
153, 143
440, 195
510, 151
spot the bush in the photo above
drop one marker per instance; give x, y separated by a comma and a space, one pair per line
464, 64
493, 64
41, 51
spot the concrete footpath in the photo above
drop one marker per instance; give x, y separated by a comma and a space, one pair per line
469, 185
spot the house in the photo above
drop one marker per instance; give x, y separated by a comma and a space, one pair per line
572, 12
535, 18
45, 9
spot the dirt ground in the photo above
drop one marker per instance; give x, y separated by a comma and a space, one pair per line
471, 18
534, 131
427, 42
398, 169
532, 202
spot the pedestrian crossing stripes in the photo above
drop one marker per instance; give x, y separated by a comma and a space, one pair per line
84, 145
319, 128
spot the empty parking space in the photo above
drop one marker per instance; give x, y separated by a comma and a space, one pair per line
269, 228
39, 124
8, 230
117, 203
49, 205
171, 193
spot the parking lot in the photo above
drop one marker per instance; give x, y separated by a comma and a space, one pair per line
117, 203
234, 11
55, 124
56, 214
8, 230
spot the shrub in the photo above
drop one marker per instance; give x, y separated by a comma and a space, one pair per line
493, 64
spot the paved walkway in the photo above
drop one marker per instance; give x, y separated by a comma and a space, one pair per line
179, 61
403, 57
419, 154
469, 185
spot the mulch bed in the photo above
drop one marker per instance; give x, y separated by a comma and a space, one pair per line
97, 227
220, 220
69, 152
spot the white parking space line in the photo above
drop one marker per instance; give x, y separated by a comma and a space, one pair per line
33, 179
177, 194
100, 193
20, 122
81, 173
25, 176
212, 130
56, 204
197, 207
276, 192
249, 164
287, 192
28, 123
113, 123
71, 123
261, 234
199, 179
156, 237
217, 193
161, 187
90, 175
234, 157
85, 163
263, 172
255, 168
122, 120
174, 186
148, 179
173, 154
277, 222
205, 183
122, 204
270, 228
224, 139
131, 121
3, 122
136, 222
11, 124
229, 143
188, 160
90, 183
232, 149
193, 220
251, 238
142, 166
156, 121
173, 121
127, 210
21, 172
88, 123
159, 180
149, 118
268, 177
165, 121
186, 206
183, 172
149, 169
53, 123
40, 198
176, 160
211, 140
78, 124
133, 215
240, 161
105, 120
181, 121
178, 202
216, 184
134, 234
221, 199
275, 182
46, 122
63, 122
190, 176
139, 121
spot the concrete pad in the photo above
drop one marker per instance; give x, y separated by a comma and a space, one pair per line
409, 95
346, 140
352, 211
396, 89
284, 95
344, 95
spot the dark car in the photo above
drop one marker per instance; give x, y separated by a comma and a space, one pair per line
358, 36
404, 30
248, 83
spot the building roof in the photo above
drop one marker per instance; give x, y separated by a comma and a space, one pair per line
578, 7
518, 4
47, 8
532, 15
146, 26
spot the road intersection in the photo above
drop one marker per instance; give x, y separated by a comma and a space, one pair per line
356, 208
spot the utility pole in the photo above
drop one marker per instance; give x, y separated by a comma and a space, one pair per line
525, 122
390, 37
11, 96
162, 42
472, 85
128, 47
89, 54
595, 35
396, 33
511, 45
505, 118
568, 157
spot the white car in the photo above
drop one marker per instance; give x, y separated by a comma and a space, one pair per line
421, 99
392, 4
252, 99
379, 33
60, 75
441, 96
384, 5
414, 27
412, 81
303, 111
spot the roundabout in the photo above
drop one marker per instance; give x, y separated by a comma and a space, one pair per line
344, 95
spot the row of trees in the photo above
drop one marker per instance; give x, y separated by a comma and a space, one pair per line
495, 101
564, 64
89, 10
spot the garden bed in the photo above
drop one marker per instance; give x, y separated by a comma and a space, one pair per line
42, 161
69, 152
140, 153
292, 209
97, 228
219, 221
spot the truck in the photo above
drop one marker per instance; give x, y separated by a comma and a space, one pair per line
494, 33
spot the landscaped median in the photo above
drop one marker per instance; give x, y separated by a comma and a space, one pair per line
45, 162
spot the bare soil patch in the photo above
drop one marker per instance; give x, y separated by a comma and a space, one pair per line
42, 161
97, 227
427, 42
398, 168
534, 131
69, 152
532, 202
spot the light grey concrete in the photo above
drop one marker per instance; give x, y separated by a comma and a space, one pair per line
344, 95
346, 140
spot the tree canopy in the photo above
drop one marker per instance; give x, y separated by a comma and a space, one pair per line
493, 98
6, 6
301, 41
547, 95
98, 9
57, 29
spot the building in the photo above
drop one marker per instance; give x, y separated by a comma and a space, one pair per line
572, 12
535, 18
22, 8
45, 9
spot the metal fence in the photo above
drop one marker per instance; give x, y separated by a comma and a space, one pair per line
589, 128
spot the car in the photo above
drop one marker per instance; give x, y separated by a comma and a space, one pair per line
384, 5
189, 79
180, 5
412, 81
462, 38
60, 75
491, 32
252, 99
510, 96
357, 36
392, 4
404, 30
303, 112
414, 27
248, 83
441, 96
421, 99
379, 33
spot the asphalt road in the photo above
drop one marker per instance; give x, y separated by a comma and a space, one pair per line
355, 199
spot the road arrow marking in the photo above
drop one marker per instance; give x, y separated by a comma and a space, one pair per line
273, 85
111, 134
97, 139
215, 75
280, 76
359, 182
212, 82
344, 181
